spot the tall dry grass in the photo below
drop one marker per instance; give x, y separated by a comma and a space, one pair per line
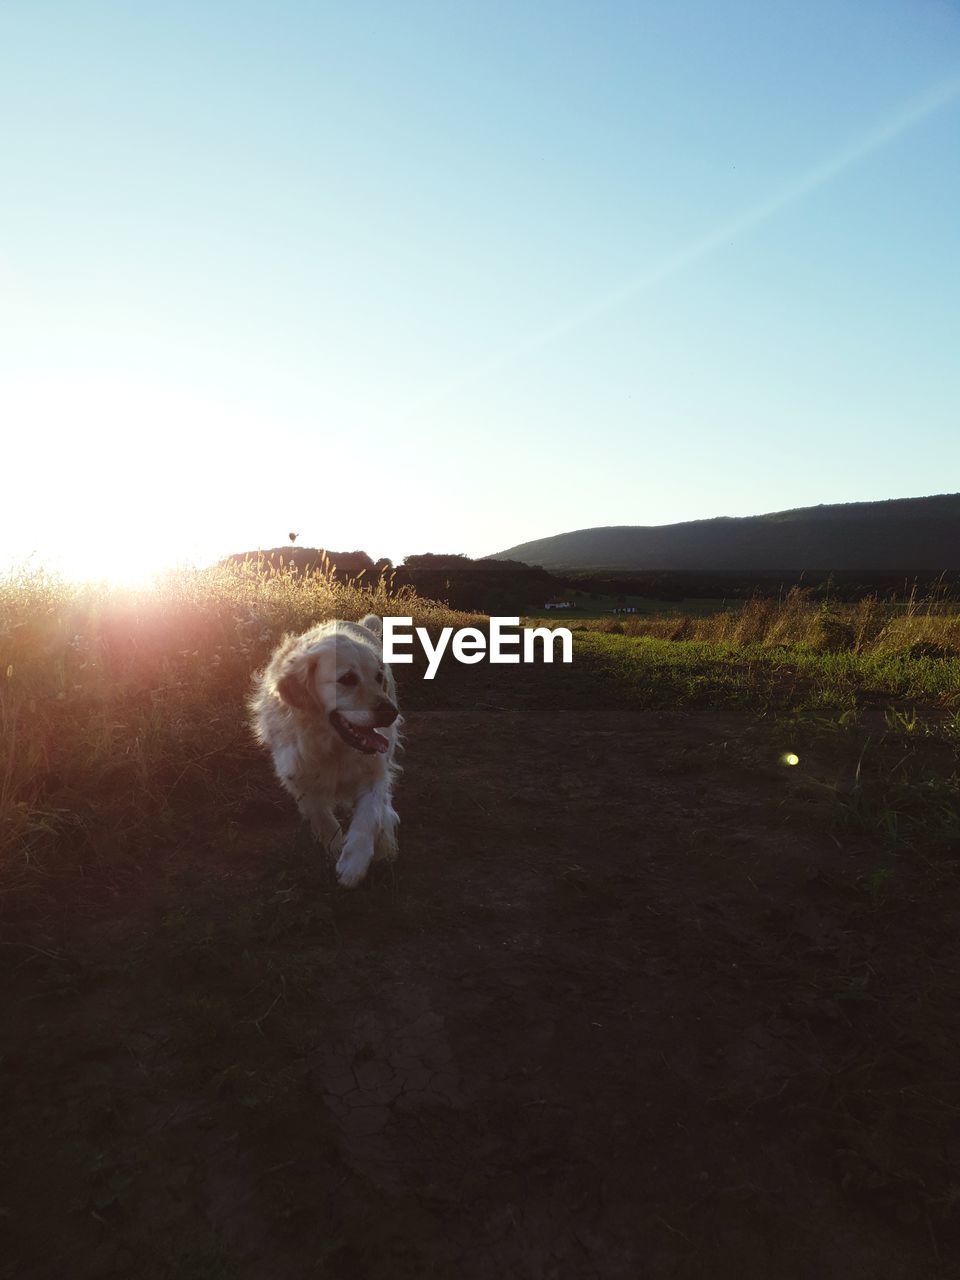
117, 704
919, 627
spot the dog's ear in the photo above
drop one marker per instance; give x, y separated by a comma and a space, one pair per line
292, 687
373, 623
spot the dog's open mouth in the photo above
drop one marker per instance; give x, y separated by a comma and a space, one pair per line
366, 740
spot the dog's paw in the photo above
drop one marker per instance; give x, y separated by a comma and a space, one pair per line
351, 868
333, 846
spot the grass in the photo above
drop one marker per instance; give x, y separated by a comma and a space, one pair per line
116, 705
879, 686
786, 674
830, 657
917, 628
121, 712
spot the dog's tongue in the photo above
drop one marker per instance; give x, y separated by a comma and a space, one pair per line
375, 741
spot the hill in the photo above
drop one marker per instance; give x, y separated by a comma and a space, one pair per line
902, 534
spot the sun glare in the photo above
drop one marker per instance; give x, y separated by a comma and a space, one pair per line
120, 567
120, 481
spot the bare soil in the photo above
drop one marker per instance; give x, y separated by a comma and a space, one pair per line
637, 1001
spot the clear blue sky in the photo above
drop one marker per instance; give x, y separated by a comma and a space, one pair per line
450, 276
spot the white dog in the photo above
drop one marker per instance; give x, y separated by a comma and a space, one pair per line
326, 707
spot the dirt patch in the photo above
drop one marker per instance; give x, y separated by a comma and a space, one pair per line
630, 1004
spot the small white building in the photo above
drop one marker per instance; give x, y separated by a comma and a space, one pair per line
558, 604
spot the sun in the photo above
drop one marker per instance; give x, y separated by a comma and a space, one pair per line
118, 481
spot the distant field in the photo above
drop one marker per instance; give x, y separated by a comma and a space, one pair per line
587, 605
915, 628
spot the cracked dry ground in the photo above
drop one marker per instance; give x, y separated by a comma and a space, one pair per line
624, 1009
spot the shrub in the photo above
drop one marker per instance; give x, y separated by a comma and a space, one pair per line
930, 649
833, 634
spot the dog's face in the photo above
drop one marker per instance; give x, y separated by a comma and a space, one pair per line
342, 679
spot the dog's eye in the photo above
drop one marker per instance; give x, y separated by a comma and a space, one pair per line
349, 678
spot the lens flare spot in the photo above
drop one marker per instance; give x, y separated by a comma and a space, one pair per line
789, 758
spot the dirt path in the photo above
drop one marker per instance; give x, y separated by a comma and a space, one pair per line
626, 1009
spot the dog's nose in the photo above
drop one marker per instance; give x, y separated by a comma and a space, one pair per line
385, 713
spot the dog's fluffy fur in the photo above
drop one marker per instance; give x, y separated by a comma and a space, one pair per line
326, 707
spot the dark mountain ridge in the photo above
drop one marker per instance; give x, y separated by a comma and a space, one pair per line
900, 534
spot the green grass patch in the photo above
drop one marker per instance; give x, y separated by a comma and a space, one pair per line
890, 720
788, 676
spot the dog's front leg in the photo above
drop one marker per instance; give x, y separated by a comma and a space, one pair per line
362, 837
324, 825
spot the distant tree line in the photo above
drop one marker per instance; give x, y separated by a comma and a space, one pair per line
503, 587
346, 564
